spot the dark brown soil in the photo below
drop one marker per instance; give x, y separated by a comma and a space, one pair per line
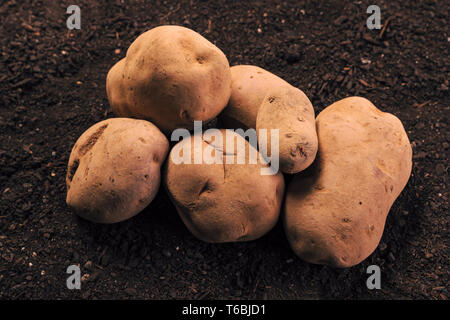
52, 84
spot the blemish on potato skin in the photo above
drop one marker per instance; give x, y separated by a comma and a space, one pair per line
72, 169
184, 114
205, 188
244, 231
90, 142
242, 238
298, 150
200, 60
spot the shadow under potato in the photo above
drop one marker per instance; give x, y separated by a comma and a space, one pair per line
129, 238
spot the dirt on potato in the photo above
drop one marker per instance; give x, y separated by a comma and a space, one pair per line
52, 82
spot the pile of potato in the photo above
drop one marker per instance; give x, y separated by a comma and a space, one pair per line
358, 158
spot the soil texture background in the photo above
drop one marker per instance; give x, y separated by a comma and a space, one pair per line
52, 84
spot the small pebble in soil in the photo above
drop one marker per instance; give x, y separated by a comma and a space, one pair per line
88, 265
391, 257
130, 291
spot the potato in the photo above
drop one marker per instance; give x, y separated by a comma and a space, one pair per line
223, 201
249, 85
170, 76
335, 211
289, 110
114, 169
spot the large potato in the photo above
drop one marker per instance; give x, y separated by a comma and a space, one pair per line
335, 212
170, 76
220, 201
249, 85
289, 110
114, 169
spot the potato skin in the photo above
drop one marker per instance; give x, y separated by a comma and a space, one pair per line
171, 76
114, 169
224, 202
335, 211
289, 110
249, 85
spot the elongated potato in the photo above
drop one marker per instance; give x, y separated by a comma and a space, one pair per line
335, 212
114, 169
223, 201
289, 110
171, 76
249, 85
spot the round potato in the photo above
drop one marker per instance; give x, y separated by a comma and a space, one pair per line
114, 169
170, 76
249, 85
220, 201
335, 211
289, 110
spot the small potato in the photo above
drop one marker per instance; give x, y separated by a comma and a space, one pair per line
249, 85
223, 201
114, 169
335, 211
170, 76
289, 110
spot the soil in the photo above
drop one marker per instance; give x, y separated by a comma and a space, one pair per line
53, 88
